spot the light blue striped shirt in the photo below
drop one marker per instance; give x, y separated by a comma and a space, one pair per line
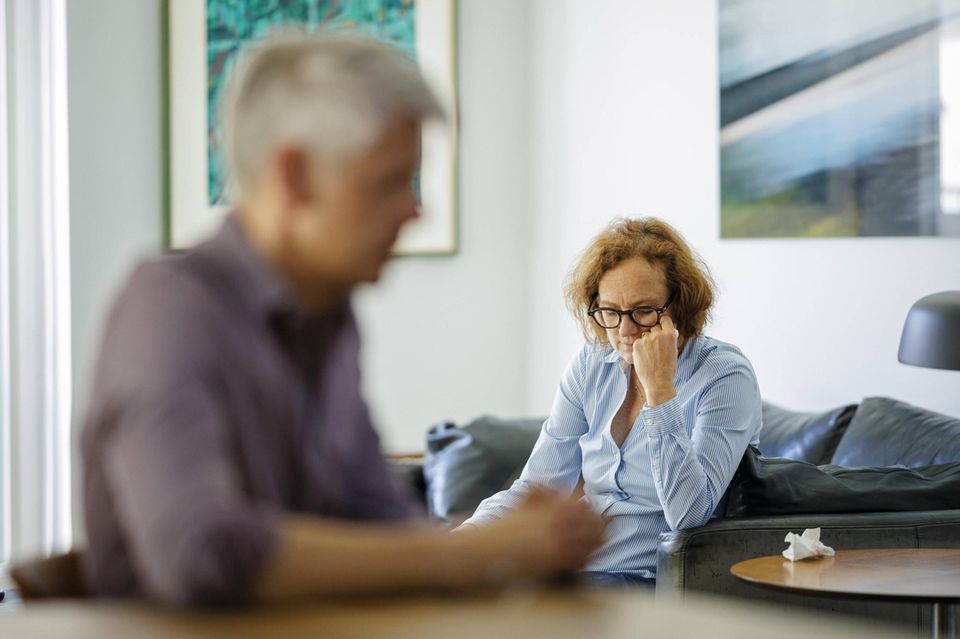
675, 464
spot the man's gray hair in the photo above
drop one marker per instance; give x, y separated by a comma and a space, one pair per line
331, 94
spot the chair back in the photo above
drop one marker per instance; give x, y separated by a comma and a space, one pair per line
55, 576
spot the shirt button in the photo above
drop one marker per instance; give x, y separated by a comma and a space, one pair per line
649, 421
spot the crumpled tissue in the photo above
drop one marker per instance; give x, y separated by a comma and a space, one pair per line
806, 545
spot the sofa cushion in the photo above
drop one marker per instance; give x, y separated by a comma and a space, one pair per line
465, 465
408, 474
887, 432
777, 486
809, 437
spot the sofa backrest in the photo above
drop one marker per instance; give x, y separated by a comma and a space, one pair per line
887, 432
809, 437
464, 465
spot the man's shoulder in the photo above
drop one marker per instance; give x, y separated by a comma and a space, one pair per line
166, 303
171, 284
180, 273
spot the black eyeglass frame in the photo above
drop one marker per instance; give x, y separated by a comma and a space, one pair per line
660, 310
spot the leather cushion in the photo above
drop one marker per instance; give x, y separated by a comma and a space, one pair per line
809, 437
887, 432
777, 486
465, 465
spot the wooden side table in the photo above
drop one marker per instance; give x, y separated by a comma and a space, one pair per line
928, 575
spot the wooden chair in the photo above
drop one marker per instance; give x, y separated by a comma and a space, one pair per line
55, 576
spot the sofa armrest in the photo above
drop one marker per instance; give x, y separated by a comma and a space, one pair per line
699, 559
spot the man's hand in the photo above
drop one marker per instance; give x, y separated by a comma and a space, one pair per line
655, 361
548, 534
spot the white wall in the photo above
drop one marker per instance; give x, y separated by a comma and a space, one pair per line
115, 157
443, 337
626, 100
113, 68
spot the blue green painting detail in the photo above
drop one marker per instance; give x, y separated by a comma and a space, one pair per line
233, 25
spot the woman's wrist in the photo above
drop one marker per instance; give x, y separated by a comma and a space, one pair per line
659, 395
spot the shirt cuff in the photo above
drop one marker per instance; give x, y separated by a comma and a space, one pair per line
665, 419
485, 517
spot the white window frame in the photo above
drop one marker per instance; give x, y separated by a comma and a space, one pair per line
35, 374
6, 526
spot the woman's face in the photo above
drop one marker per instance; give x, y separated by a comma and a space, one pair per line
631, 283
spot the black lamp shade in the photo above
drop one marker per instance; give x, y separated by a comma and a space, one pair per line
931, 334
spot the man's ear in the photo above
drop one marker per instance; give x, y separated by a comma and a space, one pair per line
293, 168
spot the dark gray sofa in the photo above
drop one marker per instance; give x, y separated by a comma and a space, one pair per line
881, 432
465, 464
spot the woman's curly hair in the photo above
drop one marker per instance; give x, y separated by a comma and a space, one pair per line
658, 243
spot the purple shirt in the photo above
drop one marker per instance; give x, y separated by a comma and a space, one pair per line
216, 408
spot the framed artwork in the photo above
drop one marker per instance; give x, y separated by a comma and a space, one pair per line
202, 42
839, 119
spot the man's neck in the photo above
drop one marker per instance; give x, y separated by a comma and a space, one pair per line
312, 297
315, 300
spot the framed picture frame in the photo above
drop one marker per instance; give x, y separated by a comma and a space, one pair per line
195, 198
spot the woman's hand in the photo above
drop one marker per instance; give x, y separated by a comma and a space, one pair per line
655, 361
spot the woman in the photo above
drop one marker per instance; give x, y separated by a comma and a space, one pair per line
653, 415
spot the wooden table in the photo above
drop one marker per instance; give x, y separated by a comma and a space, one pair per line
920, 575
527, 613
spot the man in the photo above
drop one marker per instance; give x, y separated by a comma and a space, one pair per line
228, 454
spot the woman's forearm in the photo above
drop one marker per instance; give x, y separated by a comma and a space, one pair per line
683, 485
497, 505
692, 474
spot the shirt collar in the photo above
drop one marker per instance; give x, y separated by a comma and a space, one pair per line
613, 356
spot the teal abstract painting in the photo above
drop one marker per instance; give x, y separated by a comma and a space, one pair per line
232, 25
